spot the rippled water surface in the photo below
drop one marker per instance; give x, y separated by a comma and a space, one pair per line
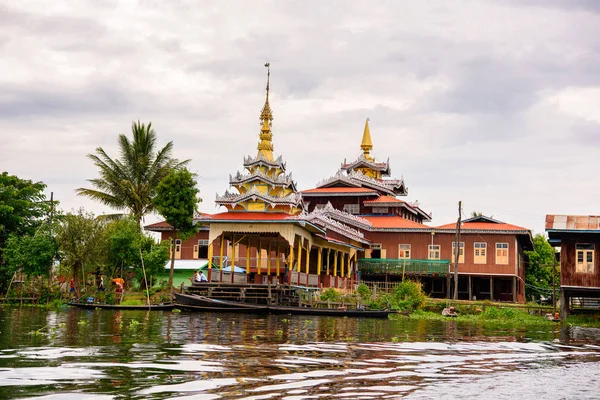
78, 354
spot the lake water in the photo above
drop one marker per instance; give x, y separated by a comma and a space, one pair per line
79, 354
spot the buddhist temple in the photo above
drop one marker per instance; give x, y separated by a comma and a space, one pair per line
355, 226
266, 235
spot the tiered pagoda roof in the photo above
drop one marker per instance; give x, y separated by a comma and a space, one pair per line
265, 187
365, 172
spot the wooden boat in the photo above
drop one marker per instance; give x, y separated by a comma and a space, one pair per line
203, 301
151, 307
232, 310
332, 312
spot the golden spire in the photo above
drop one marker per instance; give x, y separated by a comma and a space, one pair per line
366, 145
265, 147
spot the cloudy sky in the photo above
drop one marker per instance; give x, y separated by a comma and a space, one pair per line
495, 103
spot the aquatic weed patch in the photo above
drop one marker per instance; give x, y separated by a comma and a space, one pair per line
491, 315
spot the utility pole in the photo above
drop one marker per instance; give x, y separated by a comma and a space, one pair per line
51, 274
554, 283
457, 250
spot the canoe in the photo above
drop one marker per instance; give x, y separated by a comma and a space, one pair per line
152, 307
330, 312
203, 301
224, 309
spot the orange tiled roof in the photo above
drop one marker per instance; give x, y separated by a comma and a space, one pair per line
162, 225
484, 226
384, 199
393, 221
340, 190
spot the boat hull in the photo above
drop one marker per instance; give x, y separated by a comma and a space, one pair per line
206, 304
151, 307
202, 301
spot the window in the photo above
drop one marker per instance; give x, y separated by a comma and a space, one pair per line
376, 250
434, 251
585, 258
461, 252
177, 248
502, 253
480, 250
352, 208
404, 251
380, 210
203, 248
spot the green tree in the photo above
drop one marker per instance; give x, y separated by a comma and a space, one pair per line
129, 183
155, 258
23, 208
123, 251
33, 254
538, 273
125, 244
82, 243
176, 200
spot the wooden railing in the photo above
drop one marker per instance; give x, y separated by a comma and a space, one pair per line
395, 266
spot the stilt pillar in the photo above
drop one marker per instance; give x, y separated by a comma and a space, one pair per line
210, 256
258, 258
290, 264
277, 261
232, 258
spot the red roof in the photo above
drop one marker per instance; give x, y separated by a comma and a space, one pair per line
339, 190
248, 216
162, 225
384, 199
393, 221
484, 226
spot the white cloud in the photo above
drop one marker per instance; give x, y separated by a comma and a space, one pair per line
493, 103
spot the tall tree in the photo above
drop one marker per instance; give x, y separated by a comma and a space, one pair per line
539, 270
176, 200
129, 182
23, 208
82, 243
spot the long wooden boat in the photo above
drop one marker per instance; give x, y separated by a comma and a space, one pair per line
331, 312
232, 310
151, 307
203, 301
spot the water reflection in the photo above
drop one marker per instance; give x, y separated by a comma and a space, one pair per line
137, 354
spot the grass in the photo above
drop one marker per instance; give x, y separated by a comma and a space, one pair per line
587, 320
491, 315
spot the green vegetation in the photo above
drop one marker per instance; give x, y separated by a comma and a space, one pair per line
408, 296
539, 271
23, 211
587, 320
176, 200
130, 182
491, 315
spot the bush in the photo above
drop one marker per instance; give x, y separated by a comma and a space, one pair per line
364, 293
331, 294
409, 295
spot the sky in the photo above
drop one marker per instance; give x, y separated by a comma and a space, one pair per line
495, 103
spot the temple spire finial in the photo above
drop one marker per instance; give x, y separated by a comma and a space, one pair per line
265, 147
366, 144
266, 113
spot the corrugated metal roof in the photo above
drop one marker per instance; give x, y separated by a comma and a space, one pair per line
573, 222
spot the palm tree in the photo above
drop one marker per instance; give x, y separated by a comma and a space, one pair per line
129, 183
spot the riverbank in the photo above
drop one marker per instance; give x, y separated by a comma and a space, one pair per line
504, 316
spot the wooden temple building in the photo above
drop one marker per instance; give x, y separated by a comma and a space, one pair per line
265, 234
351, 227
